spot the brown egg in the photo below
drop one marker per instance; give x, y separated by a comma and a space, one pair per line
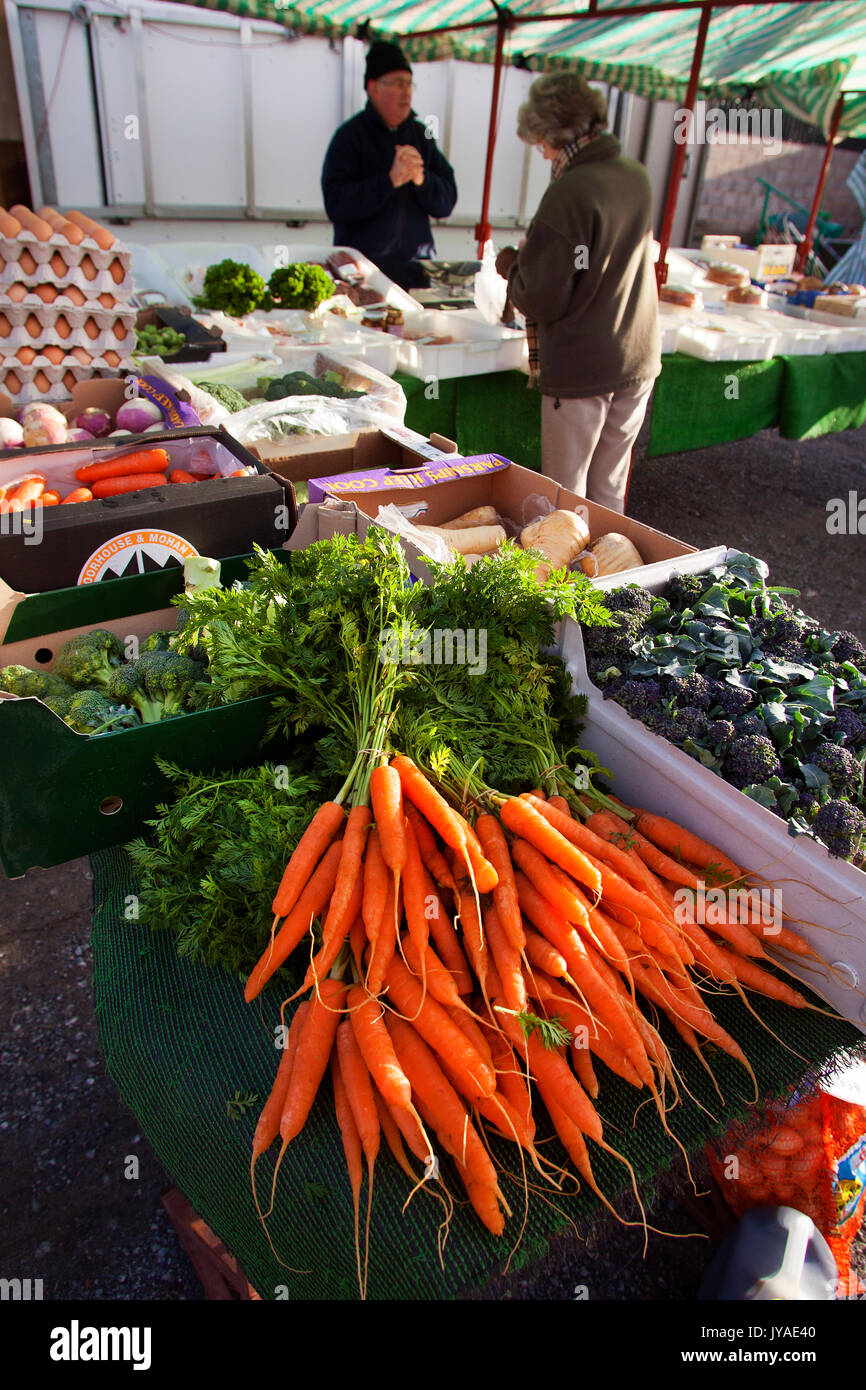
107, 301
16, 293
47, 293
119, 329
26, 355
5, 326
91, 328
112, 357
12, 383
58, 264
69, 380
62, 326
117, 271
26, 262
41, 382
33, 326
81, 355
54, 355
77, 296
88, 268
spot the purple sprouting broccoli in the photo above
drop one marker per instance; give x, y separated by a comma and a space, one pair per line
847, 647
841, 827
640, 697
751, 725
729, 700
685, 590
719, 735
689, 722
842, 768
807, 804
846, 728
694, 690
750, 761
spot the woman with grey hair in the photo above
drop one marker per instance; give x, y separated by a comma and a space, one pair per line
584, 277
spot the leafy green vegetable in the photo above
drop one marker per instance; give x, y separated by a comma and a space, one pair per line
157, 341
302, 384
234, 288
211, 868
226, 395
299, 286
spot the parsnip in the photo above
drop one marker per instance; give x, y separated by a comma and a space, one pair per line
477, 540
611, 554
560, 537
479, 516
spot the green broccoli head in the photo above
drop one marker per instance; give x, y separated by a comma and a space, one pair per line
156, 642
160, 685
60, 703
89, 660
20, 680
234, 288
89, 712
300, 286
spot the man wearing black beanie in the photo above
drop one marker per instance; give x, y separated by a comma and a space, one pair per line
384, 177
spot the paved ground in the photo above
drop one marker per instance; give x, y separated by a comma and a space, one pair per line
70, 1215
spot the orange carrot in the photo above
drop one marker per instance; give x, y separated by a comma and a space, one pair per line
376, 880
268, 1126
495, 846
506, 959
434, 862
445, 940
473, 935
142, 461
179, 475
318, 835
525, 820
27, 491
359, 1089
451, 826
79, 494
311, 1060
431, 1021
387, 798
386, 938
683, 844
415, 894
440, 982
116, 487
311, 902
366, 1016
554, 1075
352, 1149
438, 1103
348, 894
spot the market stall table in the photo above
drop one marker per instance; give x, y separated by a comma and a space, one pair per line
693, 406
194, 1063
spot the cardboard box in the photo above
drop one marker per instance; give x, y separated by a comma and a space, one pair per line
65, 794
144, 530
452, 486
302, 457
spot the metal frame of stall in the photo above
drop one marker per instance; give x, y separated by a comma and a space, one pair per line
505, 22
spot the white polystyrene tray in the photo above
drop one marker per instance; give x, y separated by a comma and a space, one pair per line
733, 344
795, 338
824, 898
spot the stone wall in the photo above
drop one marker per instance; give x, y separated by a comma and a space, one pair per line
730, 199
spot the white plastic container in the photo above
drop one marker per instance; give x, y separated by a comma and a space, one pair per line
477, 347
794, 338
824, 899
724, 340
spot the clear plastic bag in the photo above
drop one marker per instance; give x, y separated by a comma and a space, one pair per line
490, 288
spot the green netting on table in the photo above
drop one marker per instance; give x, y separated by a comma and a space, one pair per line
180, 1043
823, 395
697, 403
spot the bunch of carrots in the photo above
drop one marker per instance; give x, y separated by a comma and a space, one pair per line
107, 478
466, 966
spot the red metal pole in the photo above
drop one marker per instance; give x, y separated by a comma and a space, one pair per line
680, 152
483, 229
806, 244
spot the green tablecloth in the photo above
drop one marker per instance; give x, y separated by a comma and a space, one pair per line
695, 404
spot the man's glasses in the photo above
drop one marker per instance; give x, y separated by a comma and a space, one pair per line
400, 84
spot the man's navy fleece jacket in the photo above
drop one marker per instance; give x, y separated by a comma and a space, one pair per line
389, 225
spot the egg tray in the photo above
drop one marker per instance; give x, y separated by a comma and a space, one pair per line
110, 328
31, 299
55, 262
49, 383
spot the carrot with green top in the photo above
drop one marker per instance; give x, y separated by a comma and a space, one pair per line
434, 861
352, 1148
450, 825
523, 819
376, 880
506, 958
495, 846
432, 1022
312, 901
367, 1019
321, 831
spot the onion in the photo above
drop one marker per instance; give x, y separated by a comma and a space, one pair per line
95, 420
11, 434
135, 416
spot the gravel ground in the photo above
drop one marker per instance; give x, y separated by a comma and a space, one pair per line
73, 1213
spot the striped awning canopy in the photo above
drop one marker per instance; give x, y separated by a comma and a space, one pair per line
795, 56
